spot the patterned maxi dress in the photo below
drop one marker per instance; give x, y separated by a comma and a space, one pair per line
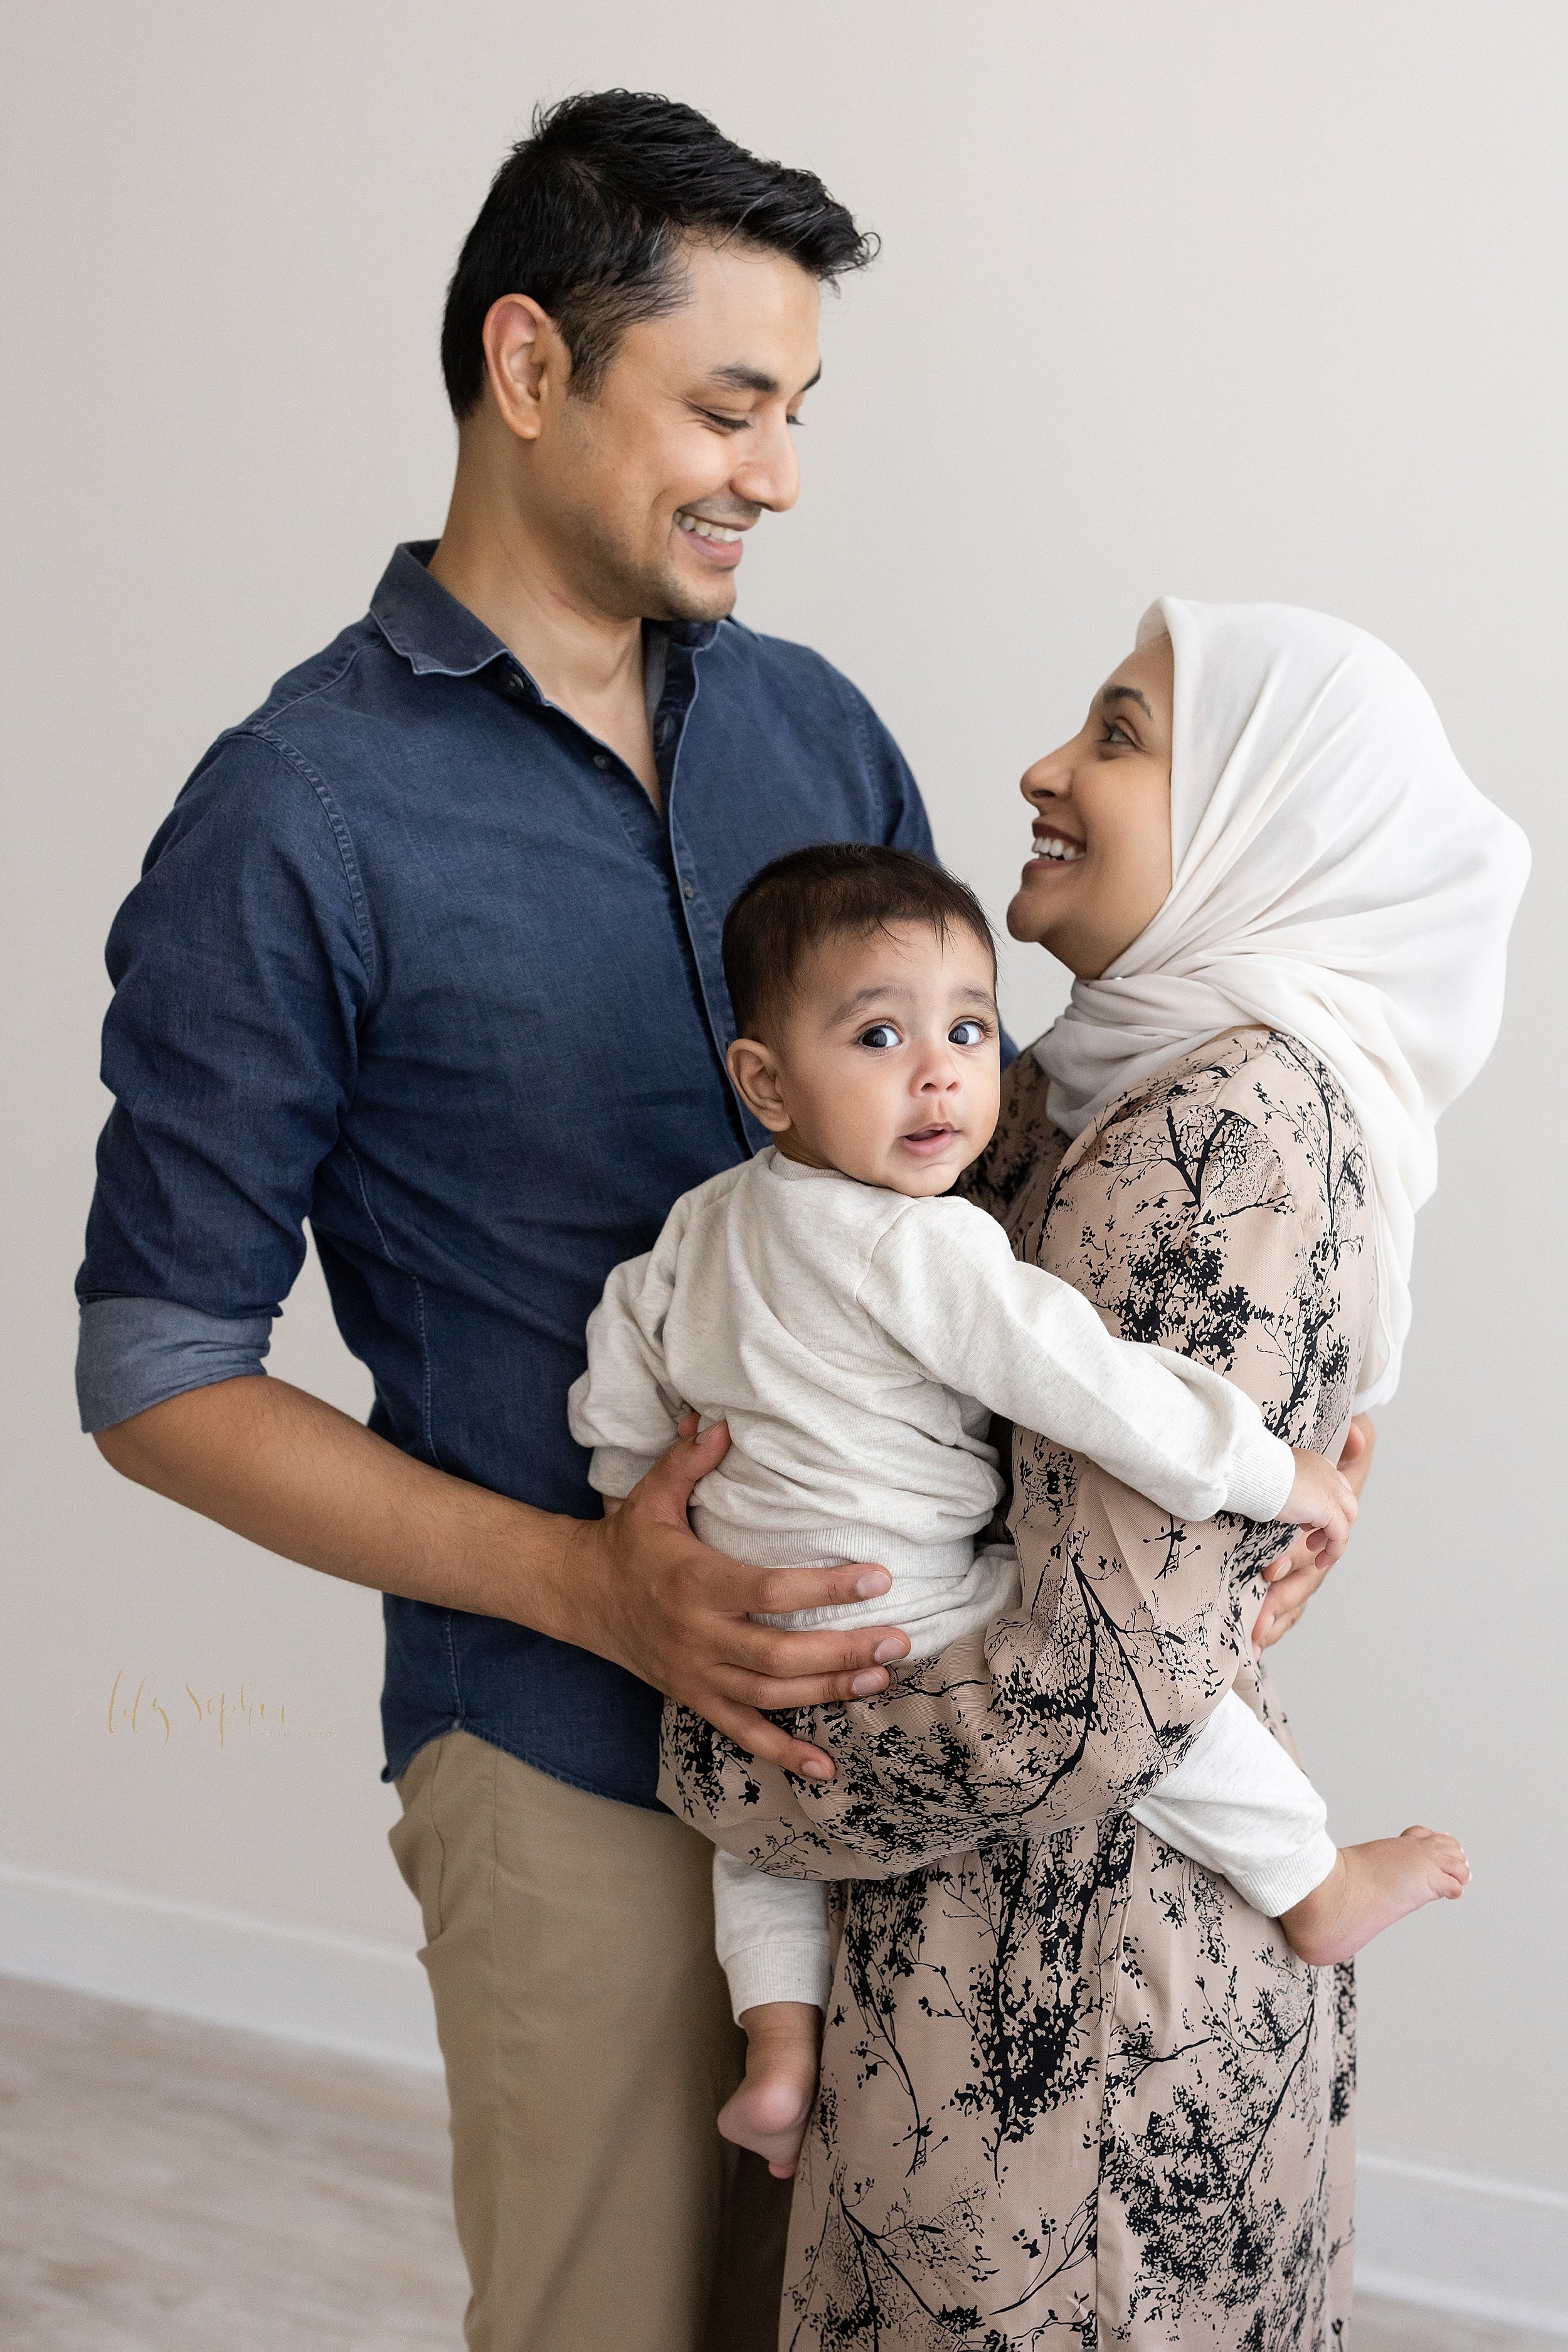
1075, 2094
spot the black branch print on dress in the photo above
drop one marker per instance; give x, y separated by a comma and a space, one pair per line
1075, 2094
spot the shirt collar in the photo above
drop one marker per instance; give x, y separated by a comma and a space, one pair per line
433, 631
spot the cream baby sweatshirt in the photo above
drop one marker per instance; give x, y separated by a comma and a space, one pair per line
858, 1342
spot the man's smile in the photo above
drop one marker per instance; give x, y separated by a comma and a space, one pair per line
716, 543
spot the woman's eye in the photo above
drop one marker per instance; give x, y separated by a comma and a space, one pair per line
880, 1036
1116, 733
967, 1032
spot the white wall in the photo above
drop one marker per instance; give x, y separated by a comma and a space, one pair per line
1212, 299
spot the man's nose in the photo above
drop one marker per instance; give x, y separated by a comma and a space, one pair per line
769, 475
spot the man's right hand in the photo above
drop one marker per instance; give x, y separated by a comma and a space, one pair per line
639, 1588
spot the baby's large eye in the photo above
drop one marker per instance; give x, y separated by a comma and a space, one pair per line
967, 1032
880, 1036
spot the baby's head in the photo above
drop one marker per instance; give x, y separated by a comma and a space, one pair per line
863, 984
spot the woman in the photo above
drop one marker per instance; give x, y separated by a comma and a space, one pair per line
1073, 2090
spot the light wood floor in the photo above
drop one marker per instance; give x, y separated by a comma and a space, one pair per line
167, 2186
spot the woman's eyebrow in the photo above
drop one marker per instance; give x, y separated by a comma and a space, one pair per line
1125, 694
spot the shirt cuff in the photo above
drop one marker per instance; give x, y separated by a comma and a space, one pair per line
135, 1353
1262, 1475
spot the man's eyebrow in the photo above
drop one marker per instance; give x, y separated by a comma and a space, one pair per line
739, 377
1126, 693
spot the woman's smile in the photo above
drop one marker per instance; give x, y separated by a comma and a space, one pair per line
1109, 789
1051, 847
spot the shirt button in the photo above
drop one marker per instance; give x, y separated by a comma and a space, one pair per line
600, 761
688, 891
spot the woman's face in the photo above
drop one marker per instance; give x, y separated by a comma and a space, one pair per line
1101, 866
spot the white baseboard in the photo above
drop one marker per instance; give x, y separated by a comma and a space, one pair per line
1462, 2243
1451, 2241
338, 1992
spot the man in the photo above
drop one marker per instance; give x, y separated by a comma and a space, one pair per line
428, 952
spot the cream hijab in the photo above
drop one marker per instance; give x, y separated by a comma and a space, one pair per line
1337, 877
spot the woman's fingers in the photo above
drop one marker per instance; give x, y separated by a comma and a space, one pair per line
1270, 1630
1355, 1455
1285, 1601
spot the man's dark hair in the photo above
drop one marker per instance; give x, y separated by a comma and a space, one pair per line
587, 217
839, 888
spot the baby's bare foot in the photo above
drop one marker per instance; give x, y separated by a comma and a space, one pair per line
770, 2110
1369, 1888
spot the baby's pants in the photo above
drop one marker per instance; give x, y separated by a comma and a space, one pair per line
1236, 1803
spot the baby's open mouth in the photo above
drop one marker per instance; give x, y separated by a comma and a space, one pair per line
929, 1138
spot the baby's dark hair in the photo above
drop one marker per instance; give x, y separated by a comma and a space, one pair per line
792, 906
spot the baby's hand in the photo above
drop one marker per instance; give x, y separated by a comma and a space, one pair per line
1323, 1500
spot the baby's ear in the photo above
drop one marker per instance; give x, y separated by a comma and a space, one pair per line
753, 1073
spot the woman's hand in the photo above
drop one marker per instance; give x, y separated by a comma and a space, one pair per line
1294, 1579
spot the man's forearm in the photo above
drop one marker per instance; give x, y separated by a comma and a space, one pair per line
300, 1479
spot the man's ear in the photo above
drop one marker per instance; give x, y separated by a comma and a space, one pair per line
527, 363
755, 1074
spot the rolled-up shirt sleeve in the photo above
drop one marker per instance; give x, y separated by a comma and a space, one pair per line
243, 965
132, 1353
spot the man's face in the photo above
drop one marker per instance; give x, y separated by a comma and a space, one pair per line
688, 433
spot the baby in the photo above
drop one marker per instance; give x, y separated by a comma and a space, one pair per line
857, 1327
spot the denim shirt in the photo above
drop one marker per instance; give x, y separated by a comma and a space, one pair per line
415, 957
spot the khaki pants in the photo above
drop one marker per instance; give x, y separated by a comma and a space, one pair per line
587, 2040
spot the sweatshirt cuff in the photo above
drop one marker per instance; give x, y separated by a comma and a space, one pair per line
1276, 1887
1262, 1475
791, 1968
612, 1470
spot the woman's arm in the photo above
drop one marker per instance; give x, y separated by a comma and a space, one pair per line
1236, 1239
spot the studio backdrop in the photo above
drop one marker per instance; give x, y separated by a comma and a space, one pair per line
1210, 301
